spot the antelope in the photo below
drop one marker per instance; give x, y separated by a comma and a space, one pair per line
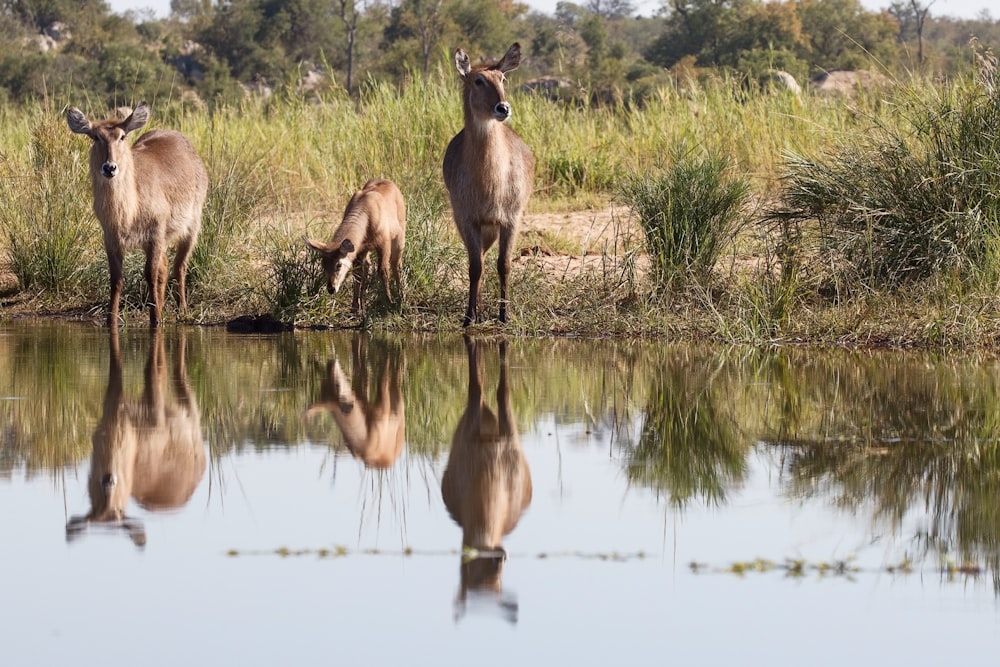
149, 195
150, 450
374, 430
375, 219
486, 484
489, 173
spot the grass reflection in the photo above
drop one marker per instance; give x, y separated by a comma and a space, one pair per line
911, 440
907, 442
689, 445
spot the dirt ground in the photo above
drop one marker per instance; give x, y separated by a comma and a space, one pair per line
566, 244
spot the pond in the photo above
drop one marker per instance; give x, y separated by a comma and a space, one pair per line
201, 497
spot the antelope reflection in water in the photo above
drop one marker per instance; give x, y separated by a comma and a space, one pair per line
486, 487
373, 430
151, 450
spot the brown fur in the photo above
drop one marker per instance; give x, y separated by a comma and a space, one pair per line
147, 195
151, 450
489, 172
487, 483
375, 219
374, 431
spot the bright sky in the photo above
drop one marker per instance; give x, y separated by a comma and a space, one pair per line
957, 8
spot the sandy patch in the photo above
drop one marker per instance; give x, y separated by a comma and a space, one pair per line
566, 244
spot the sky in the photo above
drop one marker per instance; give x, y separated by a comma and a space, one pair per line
966, 9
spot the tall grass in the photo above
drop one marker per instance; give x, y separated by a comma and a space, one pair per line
903, 189
689, 212
239, 195
48, 227
909, 201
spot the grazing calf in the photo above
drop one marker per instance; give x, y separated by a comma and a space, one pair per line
375, 219
486, 484
148, 195
489, 173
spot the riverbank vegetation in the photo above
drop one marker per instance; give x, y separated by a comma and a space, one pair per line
741, 212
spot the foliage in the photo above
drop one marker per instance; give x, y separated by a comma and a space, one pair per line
903, 204
48, 229
689, 212
688, 446
225, 52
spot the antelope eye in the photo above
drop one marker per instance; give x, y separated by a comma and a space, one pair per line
479, 81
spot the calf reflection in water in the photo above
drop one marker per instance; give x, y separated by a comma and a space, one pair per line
374, 430
486, 487
151, 450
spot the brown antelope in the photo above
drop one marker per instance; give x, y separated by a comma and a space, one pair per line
148, 195
374, 430
486, 484
375, 219
150, 450
489, 173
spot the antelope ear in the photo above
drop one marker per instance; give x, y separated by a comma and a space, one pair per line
316, 245
462, 63
138, 118
78, 122
511, 59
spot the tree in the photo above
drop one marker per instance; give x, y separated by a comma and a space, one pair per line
349, 13
912, 15
420, 20
694, 27
611, 9
485, 25
842, 34
185, 10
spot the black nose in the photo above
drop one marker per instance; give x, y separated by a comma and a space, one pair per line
109, 169
108, 481
502, 110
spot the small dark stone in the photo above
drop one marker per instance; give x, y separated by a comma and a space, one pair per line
257, 324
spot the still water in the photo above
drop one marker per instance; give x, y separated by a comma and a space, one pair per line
204, 498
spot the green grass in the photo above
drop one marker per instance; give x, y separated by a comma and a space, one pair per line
769, 217
689, 212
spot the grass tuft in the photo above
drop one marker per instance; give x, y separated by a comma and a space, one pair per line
689, 213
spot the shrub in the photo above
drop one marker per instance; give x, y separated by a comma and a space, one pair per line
688, 213
909, 202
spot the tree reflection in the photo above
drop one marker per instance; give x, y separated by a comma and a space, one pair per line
486, 487
150, 450
374, 429
689, 444
901, 438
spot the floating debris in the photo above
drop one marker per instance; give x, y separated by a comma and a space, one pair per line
847, 569
467, 553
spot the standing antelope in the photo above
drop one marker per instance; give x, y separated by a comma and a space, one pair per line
488, 171
375, 219
148, 195
486, 484
150, 450
374, 430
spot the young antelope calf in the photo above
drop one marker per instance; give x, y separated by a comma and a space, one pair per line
375, 219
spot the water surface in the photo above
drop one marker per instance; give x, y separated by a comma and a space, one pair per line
198, 497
